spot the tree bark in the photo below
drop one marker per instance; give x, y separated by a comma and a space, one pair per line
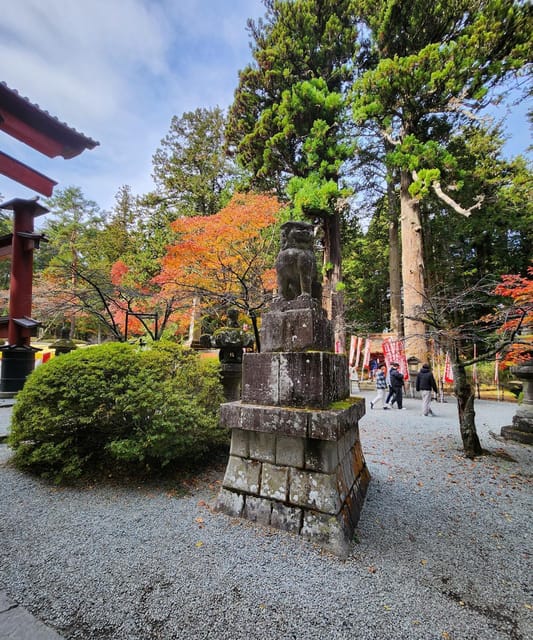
465, 395
412, 271
395, 278
332, 299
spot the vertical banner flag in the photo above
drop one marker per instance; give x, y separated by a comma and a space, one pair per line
497, 369
394, 351
366, 356
353, 343
358, 353
448, 370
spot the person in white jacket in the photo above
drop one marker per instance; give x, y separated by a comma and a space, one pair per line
381, 387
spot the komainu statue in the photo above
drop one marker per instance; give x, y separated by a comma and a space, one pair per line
296, 262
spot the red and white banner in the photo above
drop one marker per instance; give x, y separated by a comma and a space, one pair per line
366, 354
394, 351
353, 346
358, 352
448, 370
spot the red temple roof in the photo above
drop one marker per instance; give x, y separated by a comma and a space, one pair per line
30, 124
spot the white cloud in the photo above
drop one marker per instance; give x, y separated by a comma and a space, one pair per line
118, 70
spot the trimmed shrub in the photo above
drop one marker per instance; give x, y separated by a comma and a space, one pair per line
110, 405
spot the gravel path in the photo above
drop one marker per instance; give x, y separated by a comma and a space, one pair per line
443, 550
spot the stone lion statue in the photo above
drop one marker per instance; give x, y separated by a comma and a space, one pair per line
296, 262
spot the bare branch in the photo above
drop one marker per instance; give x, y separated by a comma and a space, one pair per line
455, 205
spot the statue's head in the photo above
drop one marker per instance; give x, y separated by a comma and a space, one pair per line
297, 234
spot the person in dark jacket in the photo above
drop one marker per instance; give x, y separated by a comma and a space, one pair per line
425, 383
397, 384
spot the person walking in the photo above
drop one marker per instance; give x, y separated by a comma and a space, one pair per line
381, 386
390, 396
426, 384
397, 384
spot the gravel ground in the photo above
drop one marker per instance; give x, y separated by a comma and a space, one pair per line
443, 549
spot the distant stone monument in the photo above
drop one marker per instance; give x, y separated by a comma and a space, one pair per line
521, 428
296, 461
231, 341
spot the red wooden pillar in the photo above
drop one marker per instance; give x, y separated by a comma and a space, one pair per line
18, 356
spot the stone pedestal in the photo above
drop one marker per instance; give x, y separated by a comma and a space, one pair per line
231, 374
522, 428
296, 461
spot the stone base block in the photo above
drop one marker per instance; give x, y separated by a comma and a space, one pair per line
314, 488
296, 330
512, 433
331, 424
310, 379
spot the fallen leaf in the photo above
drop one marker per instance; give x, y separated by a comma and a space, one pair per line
371, 569
423, 562
199, 520
199, 544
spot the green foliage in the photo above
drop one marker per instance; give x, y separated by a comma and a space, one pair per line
365, 273
113, 405
313, 196
192, 173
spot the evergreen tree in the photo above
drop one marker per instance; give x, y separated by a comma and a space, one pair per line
286, 124
432, 65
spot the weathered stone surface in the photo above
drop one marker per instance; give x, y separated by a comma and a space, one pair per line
260, 378
312, 379
262, 446
327, 531
294, 379
257, 510
293, 422
286, 518
242, 475
332, 424
274, 482
240, 445
317, 491
296, 330
321, 456
259, 418
290, 451
230, 503
230, 415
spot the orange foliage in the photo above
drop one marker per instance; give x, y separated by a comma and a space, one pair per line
118, 271
520, 290
225, 253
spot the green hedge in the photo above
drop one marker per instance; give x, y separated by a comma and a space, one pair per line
115, 406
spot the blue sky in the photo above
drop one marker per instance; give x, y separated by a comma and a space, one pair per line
118, 70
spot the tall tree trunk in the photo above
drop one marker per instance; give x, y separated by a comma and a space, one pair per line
395, 278
465, 405
412, 271
332, 298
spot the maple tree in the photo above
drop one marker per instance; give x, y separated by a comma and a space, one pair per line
520, 290
225, 257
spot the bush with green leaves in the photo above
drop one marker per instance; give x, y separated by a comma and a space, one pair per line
115, 406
